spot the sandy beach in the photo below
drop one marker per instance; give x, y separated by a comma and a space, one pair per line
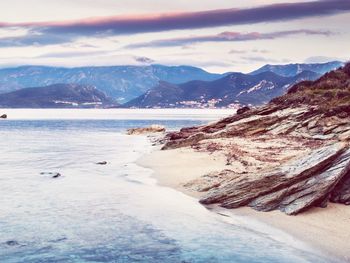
325, 229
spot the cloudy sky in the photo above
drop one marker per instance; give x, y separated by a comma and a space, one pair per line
217, 35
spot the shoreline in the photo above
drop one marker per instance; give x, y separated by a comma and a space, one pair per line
322, 230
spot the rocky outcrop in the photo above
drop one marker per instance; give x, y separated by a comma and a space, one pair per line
146, 130
291, 154
296, 186
243, 110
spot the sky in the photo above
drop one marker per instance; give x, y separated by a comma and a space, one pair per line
216, 35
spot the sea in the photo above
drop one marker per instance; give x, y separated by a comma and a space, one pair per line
115, 212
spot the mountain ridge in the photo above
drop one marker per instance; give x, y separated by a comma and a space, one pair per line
120, 82
289, 70
57, 96
233, 90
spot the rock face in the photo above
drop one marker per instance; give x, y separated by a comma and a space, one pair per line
291, 188
146, 130
292, 154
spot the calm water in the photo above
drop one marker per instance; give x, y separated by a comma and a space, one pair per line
112, 213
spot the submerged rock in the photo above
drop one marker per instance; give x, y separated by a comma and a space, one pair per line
146, 130
12, 243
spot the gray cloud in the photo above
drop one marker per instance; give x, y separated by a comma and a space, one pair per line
260, 51
261, 59
46, 33
225, 37
322, 59
144, 60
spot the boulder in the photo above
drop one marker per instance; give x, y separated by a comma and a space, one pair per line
3, 116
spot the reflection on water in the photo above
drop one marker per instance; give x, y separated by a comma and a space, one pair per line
113, 212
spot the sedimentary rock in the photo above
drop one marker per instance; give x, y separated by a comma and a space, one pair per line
243, 110
291, 188
146, 130
341, 193
312, 120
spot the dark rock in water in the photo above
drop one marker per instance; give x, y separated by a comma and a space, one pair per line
243, 110
53, 175
12, 243
56, 175
102, 163
4, 116
58, 240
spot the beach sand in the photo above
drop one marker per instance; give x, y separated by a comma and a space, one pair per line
325, 229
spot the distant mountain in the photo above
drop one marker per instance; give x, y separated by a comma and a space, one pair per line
120, 82
291, 70
57, 96
230, 91
166, 86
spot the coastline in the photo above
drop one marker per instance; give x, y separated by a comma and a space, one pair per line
322, 229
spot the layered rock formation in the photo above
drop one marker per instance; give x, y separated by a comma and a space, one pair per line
292, 154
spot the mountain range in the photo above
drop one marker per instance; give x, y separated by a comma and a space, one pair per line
151, 86
232, 90
57, 96
122, 83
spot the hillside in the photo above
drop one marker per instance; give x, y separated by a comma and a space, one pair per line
119, 82
57, 96
290, 155
230, 91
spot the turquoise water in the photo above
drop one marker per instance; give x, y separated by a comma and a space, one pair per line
116, 212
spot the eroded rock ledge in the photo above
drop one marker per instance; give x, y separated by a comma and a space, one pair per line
146, 130
290, 155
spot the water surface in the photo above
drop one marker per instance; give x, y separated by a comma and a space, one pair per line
116, 212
